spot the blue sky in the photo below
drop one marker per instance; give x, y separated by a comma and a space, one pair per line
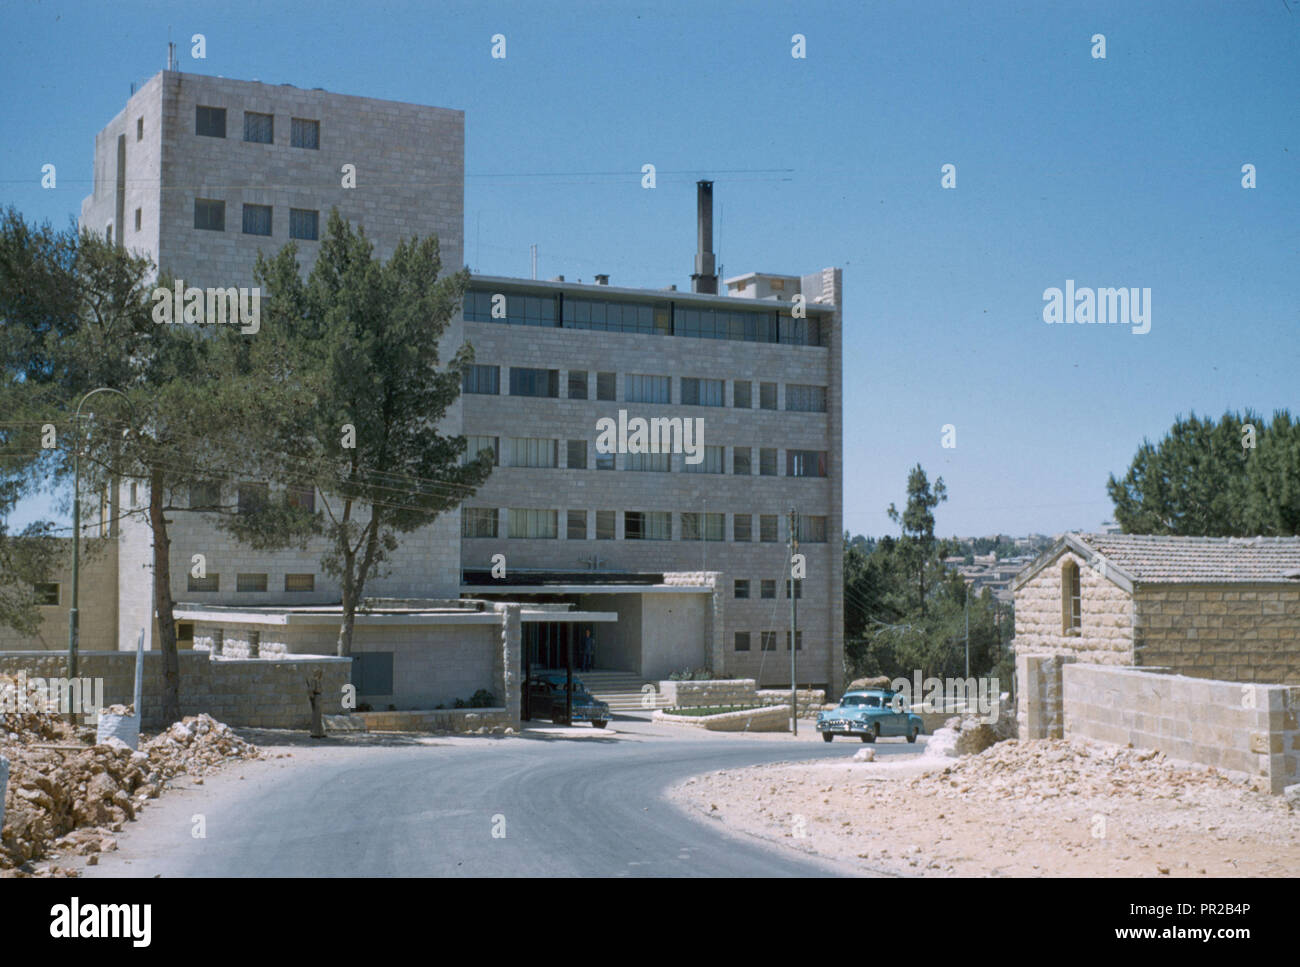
1115, 172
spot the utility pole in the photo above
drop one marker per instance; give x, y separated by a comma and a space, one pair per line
967, 631
74, 623
794, 628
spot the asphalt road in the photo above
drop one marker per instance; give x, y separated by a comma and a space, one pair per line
561, 802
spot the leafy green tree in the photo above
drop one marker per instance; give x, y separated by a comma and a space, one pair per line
1203, 478
88, 323
358, 346
917, 546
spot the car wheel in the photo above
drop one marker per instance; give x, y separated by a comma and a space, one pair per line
873, 734
826, 737
911, 736
599, 723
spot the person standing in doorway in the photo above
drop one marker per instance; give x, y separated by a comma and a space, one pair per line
588, 652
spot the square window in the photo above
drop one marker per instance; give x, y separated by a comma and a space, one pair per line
257, 219
253, 497
577, 456
300, 582
301, 498
208, 583
743, 528
742, 641
767, 462
577, 525
205, 494
768, 588
210, 121
769, 640
605, 384
742, 588
210, 214
798, 641
259, 128
577, 384
478, 522
604, 461
740, 461
767, 528
304, 133
250, 582
481, 379
534, 382
47, 593
304, 223
767, 396
742, 396
798, 589
605, 525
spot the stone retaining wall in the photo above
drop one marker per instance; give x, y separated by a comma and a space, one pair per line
726, 691
250, 693
1248, 730
438, 720
769, 718
811, 700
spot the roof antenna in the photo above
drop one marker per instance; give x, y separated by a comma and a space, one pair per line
171, 50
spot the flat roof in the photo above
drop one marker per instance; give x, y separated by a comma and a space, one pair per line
676, 295
480, 590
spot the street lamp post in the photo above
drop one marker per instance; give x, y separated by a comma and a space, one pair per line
73, 617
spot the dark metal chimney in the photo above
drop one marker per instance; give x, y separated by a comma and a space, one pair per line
705, 277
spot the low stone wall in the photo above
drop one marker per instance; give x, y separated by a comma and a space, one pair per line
1242, 728
438, 720
250, 693
810, 700
724, 691
769, 718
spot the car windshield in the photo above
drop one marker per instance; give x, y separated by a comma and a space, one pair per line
871, 701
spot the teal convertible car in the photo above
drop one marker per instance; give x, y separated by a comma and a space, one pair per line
869, 714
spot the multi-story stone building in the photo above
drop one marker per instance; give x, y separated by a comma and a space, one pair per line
671, 563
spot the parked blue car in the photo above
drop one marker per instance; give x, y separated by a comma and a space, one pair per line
546, 701
869, 714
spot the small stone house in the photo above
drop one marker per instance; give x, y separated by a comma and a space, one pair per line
1207, 607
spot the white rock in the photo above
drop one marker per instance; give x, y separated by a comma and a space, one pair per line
865, 755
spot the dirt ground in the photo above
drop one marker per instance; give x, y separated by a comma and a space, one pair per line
1047, 808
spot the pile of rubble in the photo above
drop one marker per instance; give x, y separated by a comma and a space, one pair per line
71, 798
1032, 772
969, 735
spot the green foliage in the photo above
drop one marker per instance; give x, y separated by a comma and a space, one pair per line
480, 699
692, 675
356, 347
903, 611
1200, 479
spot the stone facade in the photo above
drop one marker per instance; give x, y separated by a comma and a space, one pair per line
586, 490
1106, 633
1239, 632
96, 600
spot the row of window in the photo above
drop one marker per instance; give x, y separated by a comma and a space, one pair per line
662, 318
767, 640
210, 216
252, 582
642, 388
767, 588
544, 453
210, 122
250, 497
638, 525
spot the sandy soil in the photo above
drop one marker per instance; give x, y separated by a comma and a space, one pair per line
1051, 808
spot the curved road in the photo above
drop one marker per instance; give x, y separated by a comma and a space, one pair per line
570, 802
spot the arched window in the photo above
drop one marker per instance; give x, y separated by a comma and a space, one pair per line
1071, 599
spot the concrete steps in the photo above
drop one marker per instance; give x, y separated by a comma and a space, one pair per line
623, 691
